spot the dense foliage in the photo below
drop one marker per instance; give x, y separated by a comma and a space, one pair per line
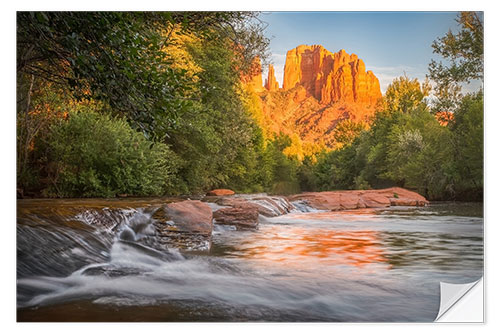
94, 155
114, 103
119, 57
410, 148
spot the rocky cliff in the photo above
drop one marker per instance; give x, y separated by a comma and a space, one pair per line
320, 89
253, 79
271, 83
330, 77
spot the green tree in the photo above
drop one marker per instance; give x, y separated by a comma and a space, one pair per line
278, 172
404, 94
468, 147
347, 131
111, 56
119, 57
400, 133
464, 52
217, 139
93, 155
419, 155
337, 169
125, 62
372, 151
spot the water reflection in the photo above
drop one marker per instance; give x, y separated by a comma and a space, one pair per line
367, 239
299, 246
426, 250
363, 265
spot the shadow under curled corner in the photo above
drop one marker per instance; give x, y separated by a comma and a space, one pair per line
460, 303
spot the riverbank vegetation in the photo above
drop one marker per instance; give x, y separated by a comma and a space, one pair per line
432, 145
138, 104
114, 103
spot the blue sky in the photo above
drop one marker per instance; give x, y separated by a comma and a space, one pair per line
390, 43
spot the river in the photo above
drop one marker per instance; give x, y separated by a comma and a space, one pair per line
366, 265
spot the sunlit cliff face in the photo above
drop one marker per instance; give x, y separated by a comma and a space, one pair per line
320, 89
330, 77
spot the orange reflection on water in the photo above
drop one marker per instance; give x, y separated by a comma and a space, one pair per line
300, 246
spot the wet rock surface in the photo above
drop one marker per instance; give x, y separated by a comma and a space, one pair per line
190, 216
185, 224
242, 218
265, 205
164, 223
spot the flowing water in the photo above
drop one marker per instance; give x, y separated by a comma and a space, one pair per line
362, 265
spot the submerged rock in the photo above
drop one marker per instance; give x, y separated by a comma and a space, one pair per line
343, 200
277, 205
242, 218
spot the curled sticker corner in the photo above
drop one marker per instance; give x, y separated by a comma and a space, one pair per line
451, 294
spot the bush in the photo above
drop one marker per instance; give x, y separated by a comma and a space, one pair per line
95, 155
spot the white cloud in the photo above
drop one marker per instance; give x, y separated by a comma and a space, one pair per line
386, 74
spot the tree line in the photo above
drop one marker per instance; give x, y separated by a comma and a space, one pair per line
129, 103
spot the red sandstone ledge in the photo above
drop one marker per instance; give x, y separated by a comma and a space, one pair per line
342, 200
220, 192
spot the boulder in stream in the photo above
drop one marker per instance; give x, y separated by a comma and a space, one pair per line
242, 218
186, 224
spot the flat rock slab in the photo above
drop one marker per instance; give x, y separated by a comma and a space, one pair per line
343, 200
375, 200
220, 192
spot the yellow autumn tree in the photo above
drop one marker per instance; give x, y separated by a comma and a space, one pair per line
405, 94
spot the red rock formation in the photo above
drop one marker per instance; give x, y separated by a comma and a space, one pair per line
320, 89
293, 112
190, 216
242, 218
253, 78
271, 83
220, 191
341, 200
330, 77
